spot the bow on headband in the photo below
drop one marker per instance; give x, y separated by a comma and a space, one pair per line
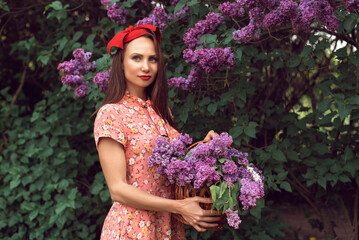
132, 33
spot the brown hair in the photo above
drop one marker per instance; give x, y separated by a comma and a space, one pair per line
157, 91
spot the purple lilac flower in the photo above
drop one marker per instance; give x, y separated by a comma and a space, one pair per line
318, 9
205, 175
220, 144
174, 2
180, 172
81, 90
159, 18
351, 5
247, 3
75, 69
72, 81
231, 10
250, 31
209, 25
210, 60
183, 13
250, 192
283, 14
115, 13
230, 172
164, 153
193, 80
244, 172
233, 218
101, 79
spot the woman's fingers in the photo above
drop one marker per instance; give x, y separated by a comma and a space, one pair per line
210, 135
211, 219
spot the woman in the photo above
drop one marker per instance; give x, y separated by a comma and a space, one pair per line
135, 112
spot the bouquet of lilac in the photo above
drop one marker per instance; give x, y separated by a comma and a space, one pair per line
234, 183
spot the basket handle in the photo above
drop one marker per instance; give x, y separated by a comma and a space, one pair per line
195, 144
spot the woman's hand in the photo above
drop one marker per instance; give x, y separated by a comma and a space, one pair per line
200, 219
210, 135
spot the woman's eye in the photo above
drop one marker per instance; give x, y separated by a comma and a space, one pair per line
153, 59
136, 58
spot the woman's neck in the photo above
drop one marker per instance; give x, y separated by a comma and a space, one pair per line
141, 93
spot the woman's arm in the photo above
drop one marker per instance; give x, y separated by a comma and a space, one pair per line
113, 163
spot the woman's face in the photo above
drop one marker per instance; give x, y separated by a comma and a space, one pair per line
140, 65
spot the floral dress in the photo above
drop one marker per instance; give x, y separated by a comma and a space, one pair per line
134, 123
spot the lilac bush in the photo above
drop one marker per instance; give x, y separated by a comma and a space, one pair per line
225, 170
159, 18
75, 70
115, 13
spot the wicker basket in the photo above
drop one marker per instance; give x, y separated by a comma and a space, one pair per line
189, 191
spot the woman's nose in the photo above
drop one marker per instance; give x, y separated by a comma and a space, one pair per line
145, 66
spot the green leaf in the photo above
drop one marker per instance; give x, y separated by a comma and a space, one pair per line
214, 190
344, 110
350, 22
282, 175
292, 155
60, 207
354, 100
250, 131
212, 108
344, 178
278, 64
279, 156
348, 154
236, 131
14, 183
77, 36
320, 148
57, 5
180, 5
306, 51
294, 61
286, 186
238, 54
208, 38
322, 182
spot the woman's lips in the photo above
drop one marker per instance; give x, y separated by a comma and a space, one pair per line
145, 77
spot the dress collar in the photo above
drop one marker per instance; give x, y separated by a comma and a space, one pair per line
129, 97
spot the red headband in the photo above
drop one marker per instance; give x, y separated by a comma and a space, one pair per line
132, 33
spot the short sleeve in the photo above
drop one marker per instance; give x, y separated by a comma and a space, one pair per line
108, 123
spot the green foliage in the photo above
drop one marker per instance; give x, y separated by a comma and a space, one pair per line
291, 101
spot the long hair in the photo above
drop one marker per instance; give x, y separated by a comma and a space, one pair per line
157, 91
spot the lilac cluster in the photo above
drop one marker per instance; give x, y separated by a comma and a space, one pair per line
250, 192
351, 5
171, 160
182, 14
209, 25
251, 31
262, 4
206, 155
75, 69
317, 9
233, 218
115, 13
210, 60
230, 172
101, 79
205, 175
231, 10
159, 18
283, 14
194, 78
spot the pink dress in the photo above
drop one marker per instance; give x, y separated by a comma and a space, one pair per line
134, 123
